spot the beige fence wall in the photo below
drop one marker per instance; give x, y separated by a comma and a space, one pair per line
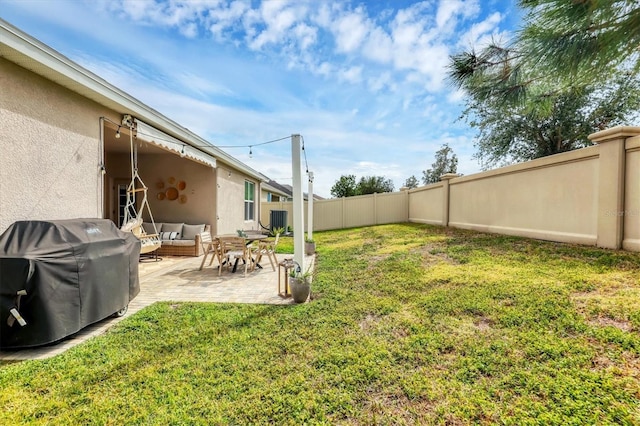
426, 204
588, 196
350, 212
631, 211
552, 198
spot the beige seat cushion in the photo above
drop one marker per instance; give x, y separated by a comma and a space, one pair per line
189, 232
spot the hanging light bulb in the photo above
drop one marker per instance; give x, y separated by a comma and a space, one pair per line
182, 153
118, 133
250, 152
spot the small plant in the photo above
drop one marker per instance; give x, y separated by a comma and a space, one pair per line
302, 276
276, 231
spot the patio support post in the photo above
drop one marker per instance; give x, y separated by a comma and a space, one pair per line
298, 204
310, 208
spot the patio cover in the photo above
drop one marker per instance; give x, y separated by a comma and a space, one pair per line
60, 276
169, 143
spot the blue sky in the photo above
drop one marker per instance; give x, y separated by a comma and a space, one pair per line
363, 82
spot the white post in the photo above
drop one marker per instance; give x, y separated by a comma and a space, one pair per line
310, 208
298, 203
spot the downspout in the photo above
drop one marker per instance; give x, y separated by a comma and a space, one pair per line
101, 170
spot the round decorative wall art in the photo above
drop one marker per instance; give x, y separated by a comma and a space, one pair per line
172, 190
172, 194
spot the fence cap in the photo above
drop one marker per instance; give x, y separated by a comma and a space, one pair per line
614, 133
448, 176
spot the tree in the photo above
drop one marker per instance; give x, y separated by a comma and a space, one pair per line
373, 184
411, 182
344, 187
445, 162
581, 41
526, 107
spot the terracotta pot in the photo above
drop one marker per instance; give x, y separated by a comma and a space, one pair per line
300, 289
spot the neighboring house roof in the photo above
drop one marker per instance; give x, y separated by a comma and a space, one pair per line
275, 188
27, 52
305, 195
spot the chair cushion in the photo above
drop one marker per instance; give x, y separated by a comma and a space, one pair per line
173, 227
189, 232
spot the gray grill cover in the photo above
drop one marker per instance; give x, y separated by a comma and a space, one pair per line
75, 272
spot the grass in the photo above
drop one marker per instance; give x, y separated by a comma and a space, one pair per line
409, 324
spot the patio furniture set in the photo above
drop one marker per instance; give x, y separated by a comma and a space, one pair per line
229, 250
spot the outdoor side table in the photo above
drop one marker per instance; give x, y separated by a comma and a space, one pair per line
284, 266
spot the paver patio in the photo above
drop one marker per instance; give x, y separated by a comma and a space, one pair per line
178, 279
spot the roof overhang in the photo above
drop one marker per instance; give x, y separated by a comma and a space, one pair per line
30, 53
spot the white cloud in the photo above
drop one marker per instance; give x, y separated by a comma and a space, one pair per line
480, 33
351, 75
448, 11
350, 30
278, 18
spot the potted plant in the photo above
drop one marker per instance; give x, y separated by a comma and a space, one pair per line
300, 284
309, 247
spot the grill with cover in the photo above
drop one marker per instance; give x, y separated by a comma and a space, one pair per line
57, 277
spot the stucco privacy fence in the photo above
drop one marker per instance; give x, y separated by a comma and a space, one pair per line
589, 196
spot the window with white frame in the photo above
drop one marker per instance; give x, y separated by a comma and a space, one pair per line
249, 197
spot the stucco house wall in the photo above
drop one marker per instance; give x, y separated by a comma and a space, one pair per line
64, 138
49, 139
230, 202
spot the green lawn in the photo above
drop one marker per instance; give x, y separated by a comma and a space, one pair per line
408, 324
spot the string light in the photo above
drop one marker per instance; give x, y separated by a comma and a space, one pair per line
182, 153
118, 133
250, 152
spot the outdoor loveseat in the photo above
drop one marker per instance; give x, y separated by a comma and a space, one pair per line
178, 239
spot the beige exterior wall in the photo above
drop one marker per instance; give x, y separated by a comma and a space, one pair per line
195, 203
50, 144
50, 139
230, 201
553, 198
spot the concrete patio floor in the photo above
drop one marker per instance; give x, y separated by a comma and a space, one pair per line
178, 279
